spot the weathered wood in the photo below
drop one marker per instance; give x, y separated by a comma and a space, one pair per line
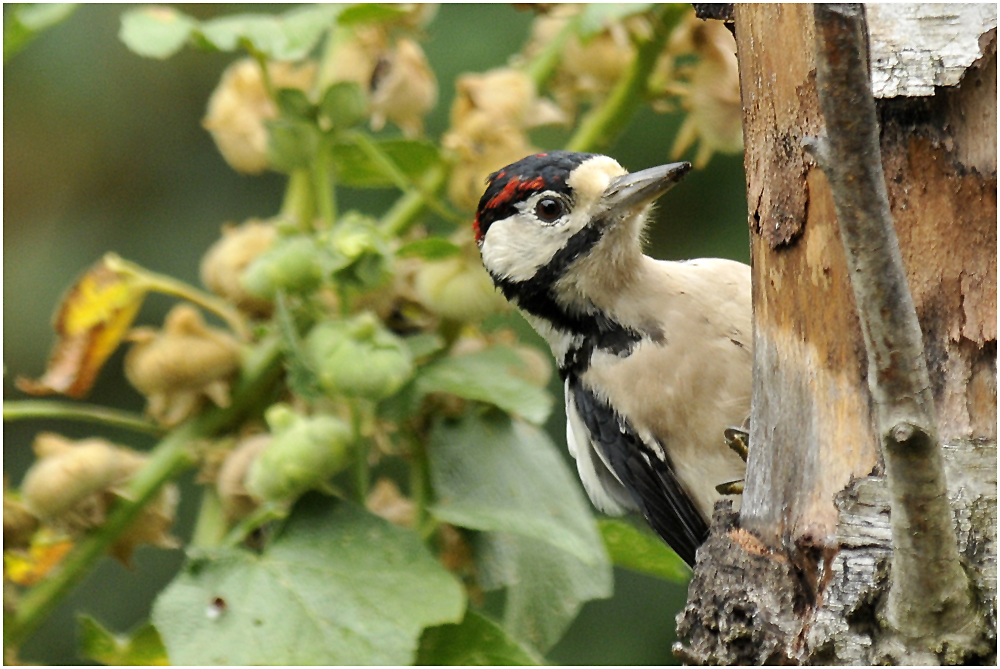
801, 575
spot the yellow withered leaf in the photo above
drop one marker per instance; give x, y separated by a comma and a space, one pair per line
93, 318
29, 567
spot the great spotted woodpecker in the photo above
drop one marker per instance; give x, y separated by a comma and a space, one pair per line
655, 356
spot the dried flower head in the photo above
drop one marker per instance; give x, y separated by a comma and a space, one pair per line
588, 68
236, 502
181, 364
710, 92
223, 264
72, 485
488, 120
387, 501
403, 88
240, 105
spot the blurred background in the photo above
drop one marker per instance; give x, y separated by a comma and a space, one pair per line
104, 151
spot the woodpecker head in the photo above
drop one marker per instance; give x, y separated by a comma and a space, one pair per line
560, 221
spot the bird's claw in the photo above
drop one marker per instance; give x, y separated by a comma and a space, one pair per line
738, 439
730, 488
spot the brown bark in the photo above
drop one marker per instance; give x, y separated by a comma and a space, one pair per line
801, 575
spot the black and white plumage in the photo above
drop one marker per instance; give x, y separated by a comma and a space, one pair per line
655, 356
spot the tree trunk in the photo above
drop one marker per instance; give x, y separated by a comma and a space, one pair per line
802, 574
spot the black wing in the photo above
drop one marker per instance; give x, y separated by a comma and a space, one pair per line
650, 481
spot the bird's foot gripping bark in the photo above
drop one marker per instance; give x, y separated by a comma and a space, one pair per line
738, 439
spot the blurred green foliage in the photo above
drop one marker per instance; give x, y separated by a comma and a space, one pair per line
105, 151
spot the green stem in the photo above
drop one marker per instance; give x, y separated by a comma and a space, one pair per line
544, 64
402, 182
408, 208
326, 203
87, 413
168, 285
173, 455
299, 205
362, 473
420, 487
604, 123
210, 528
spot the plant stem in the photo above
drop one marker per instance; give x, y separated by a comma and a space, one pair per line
210, 528
604, 123
402, 182
408, 208
87, 413
420, 489
544, 64
168, 285
298, 205
173, 455
326, 202
362, 473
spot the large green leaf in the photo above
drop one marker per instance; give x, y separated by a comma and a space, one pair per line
158, 32
155, 32
476, 641
337, 585
23, 22
545, 586
493, 473
631, 548
599, 16
488, 376
354, 167
141, 647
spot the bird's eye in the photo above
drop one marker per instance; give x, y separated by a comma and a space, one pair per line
549, 209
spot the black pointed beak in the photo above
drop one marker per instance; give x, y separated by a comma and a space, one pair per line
632, 191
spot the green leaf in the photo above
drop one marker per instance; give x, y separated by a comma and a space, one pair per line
493, 473
423, 344
290, 36
488, 376
631, 548
337, 585
295, 103
369, 13
545, 586
155, 32
302, 378
476, 641
344, 104
431, 248
142, 647
597, 17
23, 23
353, 167
291, 143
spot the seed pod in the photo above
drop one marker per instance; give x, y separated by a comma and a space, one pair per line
293, 264
224, 263
359, 358
459, 289
236, 502
182, 363
303, 452
68, 472
240, 106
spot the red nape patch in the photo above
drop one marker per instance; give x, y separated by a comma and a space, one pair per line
514, 188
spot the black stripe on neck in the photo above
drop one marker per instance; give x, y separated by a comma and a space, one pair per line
535, 296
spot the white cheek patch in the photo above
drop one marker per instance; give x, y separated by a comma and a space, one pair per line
516, 247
